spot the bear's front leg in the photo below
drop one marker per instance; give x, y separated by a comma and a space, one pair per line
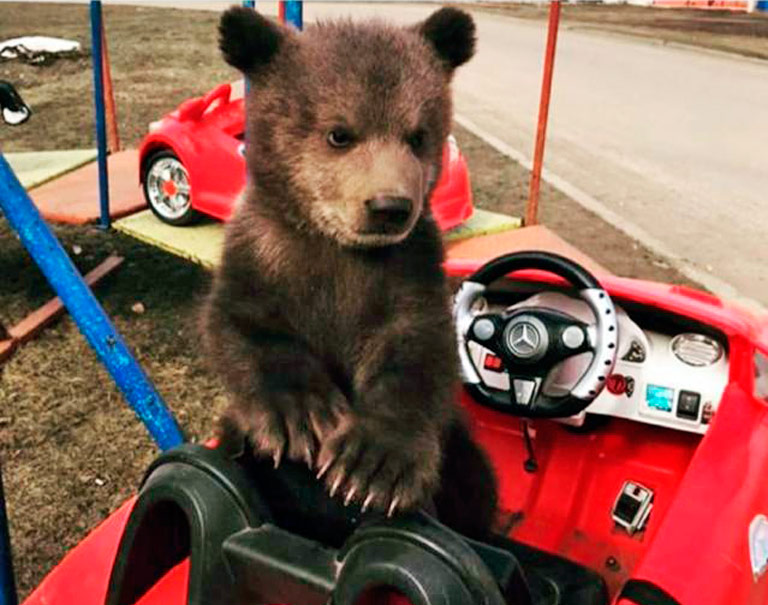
387, 453
282, 398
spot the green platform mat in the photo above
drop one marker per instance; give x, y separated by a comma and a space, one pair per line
202, 243
33, 168
483, 222
199, 243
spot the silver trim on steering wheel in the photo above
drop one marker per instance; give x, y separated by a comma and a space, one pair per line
468, 293
606, 336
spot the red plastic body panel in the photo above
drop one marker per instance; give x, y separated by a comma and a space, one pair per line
707, 489
206, 135
452, 198
83, 575
203, 134
565, 506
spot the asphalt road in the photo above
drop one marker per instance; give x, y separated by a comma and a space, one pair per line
671, 143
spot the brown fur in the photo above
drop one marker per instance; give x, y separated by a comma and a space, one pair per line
330, 323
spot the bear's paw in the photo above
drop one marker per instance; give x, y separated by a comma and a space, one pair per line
366, 464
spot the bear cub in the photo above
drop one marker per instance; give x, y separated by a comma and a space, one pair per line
329, 318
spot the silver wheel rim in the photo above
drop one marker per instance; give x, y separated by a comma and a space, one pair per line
168, 188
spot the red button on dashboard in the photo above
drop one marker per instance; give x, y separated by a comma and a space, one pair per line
493, 363
616, 383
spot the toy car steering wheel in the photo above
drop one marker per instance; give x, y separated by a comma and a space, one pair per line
531, 341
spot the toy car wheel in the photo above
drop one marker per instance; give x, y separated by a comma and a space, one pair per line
167, 190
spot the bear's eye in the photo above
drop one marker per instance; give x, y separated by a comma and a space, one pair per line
417, 140
340, 138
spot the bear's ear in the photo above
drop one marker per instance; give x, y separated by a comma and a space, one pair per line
248, 40
451, 32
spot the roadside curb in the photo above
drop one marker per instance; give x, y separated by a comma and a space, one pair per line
714, 284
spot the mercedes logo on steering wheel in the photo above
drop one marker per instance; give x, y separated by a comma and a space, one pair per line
526, 337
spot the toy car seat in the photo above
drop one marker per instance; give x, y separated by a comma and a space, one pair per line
257, 535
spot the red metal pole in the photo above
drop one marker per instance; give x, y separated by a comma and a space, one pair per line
532, 210
113, 135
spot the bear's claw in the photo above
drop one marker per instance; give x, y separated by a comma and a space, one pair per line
325, 468
367, 503
393, 506
350, 495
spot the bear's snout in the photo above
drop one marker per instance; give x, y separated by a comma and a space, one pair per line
387, 214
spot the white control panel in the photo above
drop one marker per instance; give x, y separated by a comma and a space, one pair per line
665, 391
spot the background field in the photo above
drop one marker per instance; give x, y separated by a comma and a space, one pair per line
70, 448
742, 33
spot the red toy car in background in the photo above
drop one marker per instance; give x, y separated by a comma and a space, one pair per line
192, 163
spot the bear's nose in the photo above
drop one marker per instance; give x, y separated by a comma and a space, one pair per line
391, 210
388, 214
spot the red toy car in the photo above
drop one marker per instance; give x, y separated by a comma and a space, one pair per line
185, 154
628, 425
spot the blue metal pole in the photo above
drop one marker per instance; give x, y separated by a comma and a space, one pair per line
7, 583
93, 322
294, 13
98, 103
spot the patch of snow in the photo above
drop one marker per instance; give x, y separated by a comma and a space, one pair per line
9, 49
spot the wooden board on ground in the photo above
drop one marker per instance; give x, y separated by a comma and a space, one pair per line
33, 168
35, 322
7, 348
202, 243
74, 197
537, 237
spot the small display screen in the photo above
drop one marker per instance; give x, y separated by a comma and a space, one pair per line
659, 398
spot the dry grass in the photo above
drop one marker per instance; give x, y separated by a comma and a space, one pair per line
154, 68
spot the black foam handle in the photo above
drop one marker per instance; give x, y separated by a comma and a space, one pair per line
535, 259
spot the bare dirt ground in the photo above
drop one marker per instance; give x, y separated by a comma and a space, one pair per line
71, 450
741, 33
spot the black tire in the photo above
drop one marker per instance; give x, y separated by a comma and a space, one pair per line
174, 210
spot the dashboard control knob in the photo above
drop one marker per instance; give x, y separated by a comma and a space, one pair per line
616, 384
483, 329
573, 337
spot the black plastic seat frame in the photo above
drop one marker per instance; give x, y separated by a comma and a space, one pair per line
196, 503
